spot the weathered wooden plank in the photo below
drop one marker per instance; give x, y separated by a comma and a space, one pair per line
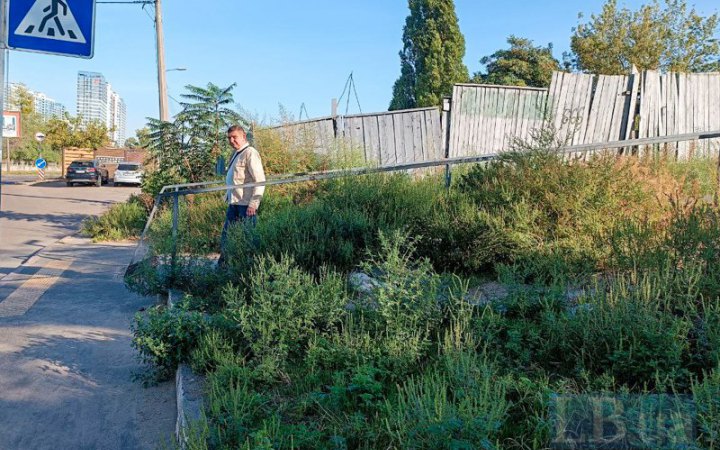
427, 142
635, 87
408, 142
593, 117
714, 106
554, 109
523, 106
495, 146
455, 115
464, 122
486, 112
436, 137
371, 139
682, 120
618, 116
458, 122
388, 142
474, 121
516, 120
417, 136
578, 96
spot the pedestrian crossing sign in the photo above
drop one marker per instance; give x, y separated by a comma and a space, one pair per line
61, 27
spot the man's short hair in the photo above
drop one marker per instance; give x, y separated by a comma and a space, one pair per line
236, 128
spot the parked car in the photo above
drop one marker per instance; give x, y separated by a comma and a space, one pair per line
86, 171
128, 173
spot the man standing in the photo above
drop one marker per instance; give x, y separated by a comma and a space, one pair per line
245, 167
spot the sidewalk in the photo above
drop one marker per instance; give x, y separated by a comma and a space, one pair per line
66, 365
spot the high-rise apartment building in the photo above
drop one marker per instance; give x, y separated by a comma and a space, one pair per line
44, 105
92, 97
117, 119
97, 101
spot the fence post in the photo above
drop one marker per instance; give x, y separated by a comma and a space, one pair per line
446, 107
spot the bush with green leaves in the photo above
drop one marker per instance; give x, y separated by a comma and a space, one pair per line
165, 337
121, 221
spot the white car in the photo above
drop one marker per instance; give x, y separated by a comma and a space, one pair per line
128, 173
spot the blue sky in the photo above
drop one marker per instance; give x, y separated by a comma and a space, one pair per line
284, 51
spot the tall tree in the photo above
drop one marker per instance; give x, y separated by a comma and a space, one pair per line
209, 111
666, 36
431, 58
186, 149
521, 65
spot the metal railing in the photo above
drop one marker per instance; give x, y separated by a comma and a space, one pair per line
176, 190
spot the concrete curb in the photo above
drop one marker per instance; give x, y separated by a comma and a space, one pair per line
189, 389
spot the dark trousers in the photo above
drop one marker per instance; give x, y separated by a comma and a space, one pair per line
235, 213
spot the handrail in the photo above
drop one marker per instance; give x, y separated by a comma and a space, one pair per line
174, 190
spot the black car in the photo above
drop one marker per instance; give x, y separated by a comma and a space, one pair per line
86, 171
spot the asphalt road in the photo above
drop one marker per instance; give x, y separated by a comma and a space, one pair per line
33, 217
67, 367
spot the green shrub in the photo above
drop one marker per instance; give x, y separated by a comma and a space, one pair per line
434, 412
706, 395
121, 221
548, 218
165, 337
200, 222
284, 309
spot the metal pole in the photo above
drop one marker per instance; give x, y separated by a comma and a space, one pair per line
446, 138
176, 213
160, 43
3, 46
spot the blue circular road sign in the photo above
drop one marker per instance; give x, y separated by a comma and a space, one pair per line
40, 163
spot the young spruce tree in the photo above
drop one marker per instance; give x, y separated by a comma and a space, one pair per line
431, 58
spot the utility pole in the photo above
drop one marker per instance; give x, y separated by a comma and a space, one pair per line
162, 82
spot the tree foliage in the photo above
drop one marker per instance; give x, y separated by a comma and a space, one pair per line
431, 58
186, 149
521, 65
71, 131
668, 37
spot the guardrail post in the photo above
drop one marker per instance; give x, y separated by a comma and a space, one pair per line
175, 214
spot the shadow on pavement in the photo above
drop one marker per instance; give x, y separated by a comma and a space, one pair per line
67, 368
73, 200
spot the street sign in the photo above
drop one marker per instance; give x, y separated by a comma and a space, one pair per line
39, 136
40, 163
60, 27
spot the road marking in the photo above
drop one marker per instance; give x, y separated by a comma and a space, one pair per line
24, 297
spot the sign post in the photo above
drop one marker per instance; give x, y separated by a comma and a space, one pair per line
40, 163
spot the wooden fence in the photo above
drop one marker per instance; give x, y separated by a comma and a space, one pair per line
318, 134
393, 137
485, 119
588, 109
677, 103
583, 109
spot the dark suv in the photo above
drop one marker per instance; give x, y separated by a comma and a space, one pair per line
86, 171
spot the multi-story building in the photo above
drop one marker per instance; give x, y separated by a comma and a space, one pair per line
117, 119
48, 107
92, 97
44, 105
96, 101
